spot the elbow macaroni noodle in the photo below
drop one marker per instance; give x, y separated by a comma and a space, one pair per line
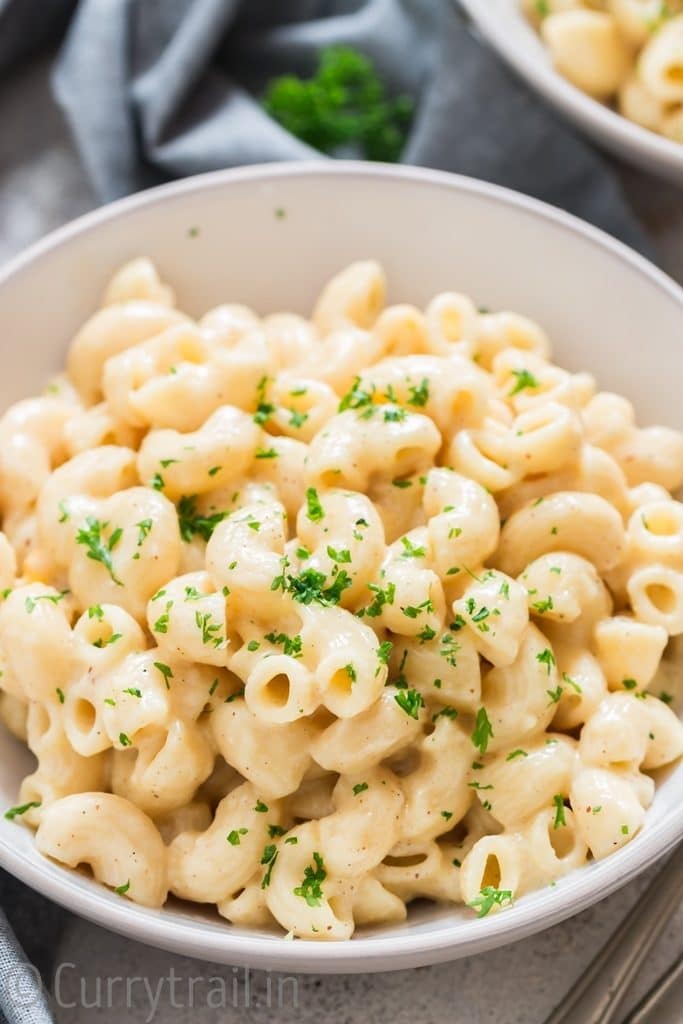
308, 619
625, 52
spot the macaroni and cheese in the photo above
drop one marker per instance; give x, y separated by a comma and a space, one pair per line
309, 618
625, 52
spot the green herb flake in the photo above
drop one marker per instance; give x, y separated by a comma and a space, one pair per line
315, 511
523, 379
482, 732
99, 549
547, 658
311, 886
560, 819
16, 812
410, 701
490, 897
191, 523
344, 104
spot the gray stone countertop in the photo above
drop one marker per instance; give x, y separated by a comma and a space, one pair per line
41, 187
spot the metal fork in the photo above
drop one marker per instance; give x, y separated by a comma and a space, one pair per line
599, 993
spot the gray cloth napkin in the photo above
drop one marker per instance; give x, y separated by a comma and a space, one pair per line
158, 89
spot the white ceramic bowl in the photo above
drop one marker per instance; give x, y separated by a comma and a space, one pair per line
217, 237
503, 25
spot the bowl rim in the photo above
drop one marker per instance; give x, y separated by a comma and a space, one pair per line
366, 953
622, 134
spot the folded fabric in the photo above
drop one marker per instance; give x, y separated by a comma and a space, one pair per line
22, 999
158, 91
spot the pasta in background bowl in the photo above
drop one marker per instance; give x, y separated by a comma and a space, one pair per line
612, 66
311, 616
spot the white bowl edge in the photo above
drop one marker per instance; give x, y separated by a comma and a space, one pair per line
429, 943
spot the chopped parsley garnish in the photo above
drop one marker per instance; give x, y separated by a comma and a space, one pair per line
384, 651
260, 807
543, 606
554, 695
144, 527
412, 611
265, 453
381, 598
360, 787
570, 682
161, 624
15, 812
165, 670
483, 731
124, 740
190, 522
269, 856
490, 897
264, 410
309, 586
101, 642
547, 658
523, 379
99, 549
297, 419
419, 396
344, 104
311, 886
315, 511
410, 550
410, 701
356, 397
560, 819
31, 602
291, 645
210, 630
449, 649
629, 684
447, 712
342, 555
121, 890
60, 694
515, 754
233, 837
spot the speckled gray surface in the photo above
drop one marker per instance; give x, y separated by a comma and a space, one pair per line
42, 186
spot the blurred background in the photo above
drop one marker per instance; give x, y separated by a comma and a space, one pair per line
43, 182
